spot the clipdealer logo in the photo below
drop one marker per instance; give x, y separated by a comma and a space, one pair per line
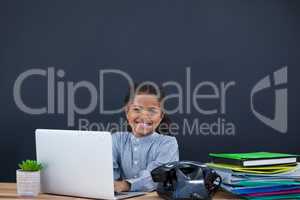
207, 98
61, 92
280, 121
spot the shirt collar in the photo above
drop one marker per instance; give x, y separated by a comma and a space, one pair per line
145, 138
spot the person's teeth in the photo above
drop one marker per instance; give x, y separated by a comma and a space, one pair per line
144, 124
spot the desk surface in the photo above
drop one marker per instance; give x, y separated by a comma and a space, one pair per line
8, 191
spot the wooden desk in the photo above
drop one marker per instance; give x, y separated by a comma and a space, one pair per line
8, 191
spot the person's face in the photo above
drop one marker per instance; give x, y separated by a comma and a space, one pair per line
144, 114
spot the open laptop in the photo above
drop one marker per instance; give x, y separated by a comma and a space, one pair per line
77, 163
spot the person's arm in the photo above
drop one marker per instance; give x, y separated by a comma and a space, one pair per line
167, 152
119, 185
116, 155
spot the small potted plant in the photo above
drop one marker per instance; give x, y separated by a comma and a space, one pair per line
28, 178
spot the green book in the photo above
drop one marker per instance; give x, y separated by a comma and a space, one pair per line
254, 158
273, 197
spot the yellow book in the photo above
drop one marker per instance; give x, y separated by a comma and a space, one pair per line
258, 170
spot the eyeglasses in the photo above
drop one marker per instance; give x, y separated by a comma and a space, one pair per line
152, 111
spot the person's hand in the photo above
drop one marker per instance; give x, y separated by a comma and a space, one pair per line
121, 186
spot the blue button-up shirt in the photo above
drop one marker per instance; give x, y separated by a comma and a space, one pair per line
135, 157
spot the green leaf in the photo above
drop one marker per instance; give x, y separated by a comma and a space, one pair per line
30, 165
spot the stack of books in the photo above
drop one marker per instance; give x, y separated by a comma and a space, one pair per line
258, 175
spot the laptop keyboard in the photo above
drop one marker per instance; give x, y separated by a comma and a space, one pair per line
120, 193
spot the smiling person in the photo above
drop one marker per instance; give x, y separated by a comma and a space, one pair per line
146, 145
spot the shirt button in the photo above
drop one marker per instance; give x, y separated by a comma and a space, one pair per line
135, 148
135, 162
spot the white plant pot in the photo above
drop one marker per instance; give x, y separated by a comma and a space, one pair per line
28, 183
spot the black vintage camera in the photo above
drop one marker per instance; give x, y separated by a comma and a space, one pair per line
185, 180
